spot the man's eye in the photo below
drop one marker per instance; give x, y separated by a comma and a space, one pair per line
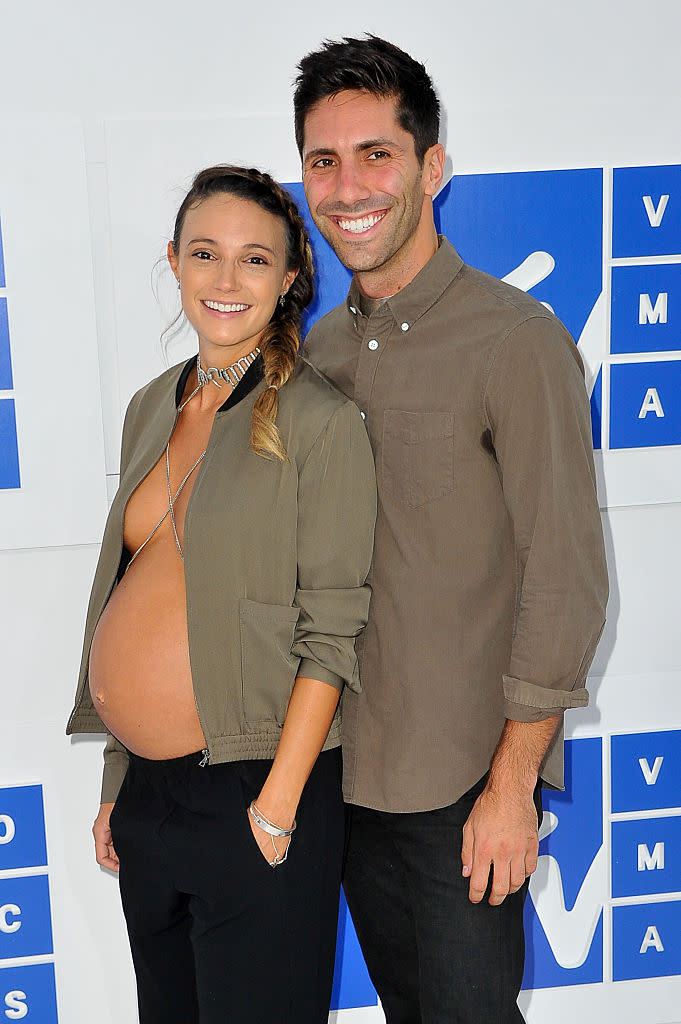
378, 154
325, 161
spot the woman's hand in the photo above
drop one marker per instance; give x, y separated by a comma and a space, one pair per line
264, 840
101, 830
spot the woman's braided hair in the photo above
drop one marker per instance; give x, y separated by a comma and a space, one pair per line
281, 339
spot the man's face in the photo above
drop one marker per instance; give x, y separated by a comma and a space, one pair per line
363, 182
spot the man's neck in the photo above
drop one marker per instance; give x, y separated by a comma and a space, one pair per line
402, 268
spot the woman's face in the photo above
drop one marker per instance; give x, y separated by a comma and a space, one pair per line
231, 266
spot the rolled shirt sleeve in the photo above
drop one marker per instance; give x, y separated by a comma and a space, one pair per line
336, 517
540, 426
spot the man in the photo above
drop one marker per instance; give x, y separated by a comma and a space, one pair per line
489, 581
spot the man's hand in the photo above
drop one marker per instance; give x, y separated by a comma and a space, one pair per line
500, 834
501, 831
101, 830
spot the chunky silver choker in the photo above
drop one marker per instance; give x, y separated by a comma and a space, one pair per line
231, 374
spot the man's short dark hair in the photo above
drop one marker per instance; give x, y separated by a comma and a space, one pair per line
377, 67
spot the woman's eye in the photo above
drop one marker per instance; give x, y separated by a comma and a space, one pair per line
258, 261
201, 254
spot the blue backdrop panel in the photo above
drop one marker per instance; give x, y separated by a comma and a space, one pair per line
9, 452
6, 383
646, 771
28, 993
497, 220
646, 940
652, 227
646, 856
22, 828
645, 409
651, 294
25, 926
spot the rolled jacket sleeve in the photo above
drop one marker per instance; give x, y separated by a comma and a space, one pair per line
540, 426
336, 517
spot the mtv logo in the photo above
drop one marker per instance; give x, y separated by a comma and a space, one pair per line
564, 910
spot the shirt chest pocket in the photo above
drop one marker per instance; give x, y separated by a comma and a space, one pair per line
417, 456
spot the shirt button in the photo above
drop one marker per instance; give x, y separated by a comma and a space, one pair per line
405, 326
352, 309
373, 344
363, 415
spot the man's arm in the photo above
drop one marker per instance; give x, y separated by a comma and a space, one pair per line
501, 831
539, 422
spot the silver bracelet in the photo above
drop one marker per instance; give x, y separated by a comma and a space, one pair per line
268, 826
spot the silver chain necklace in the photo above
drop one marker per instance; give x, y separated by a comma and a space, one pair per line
232, 375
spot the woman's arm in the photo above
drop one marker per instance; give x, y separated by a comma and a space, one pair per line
336, 516
101, 830
309, 716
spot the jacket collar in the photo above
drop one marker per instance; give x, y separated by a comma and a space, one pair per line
422, 292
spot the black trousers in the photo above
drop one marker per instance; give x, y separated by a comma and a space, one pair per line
217, 935
434, 957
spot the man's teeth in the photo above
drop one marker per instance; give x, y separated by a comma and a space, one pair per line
361, 224
226, 307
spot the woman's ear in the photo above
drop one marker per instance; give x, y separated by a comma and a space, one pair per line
289, 278
172, 260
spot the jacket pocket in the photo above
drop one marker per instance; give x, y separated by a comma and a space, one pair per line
268, 669
417, 460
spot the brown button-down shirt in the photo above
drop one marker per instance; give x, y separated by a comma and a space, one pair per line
489, 580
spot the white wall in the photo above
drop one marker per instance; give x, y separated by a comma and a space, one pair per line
105, 110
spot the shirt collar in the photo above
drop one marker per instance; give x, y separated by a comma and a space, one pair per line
419, 295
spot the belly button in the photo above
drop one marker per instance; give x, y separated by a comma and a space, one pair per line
100, 698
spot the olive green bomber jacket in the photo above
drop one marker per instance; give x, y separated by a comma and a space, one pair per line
295, 536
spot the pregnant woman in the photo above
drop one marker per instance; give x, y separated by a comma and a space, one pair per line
229, 591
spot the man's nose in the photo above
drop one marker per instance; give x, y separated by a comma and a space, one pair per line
350, 184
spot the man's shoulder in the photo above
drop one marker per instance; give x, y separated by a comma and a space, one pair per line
506, 301
330, 324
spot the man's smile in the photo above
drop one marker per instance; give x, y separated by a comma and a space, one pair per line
358, 225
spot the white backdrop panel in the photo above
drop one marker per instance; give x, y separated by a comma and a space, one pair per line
46, 242
43, 597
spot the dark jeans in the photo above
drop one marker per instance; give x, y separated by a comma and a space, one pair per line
434, 957
216, 934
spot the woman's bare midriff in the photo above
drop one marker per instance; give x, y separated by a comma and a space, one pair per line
139, 674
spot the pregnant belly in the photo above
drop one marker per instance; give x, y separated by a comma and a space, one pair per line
139, 673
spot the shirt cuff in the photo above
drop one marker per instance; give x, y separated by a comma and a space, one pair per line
527, 702
313, 670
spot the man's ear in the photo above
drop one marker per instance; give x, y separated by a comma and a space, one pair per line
433, 168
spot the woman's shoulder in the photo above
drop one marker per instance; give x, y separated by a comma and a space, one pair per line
308, 403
